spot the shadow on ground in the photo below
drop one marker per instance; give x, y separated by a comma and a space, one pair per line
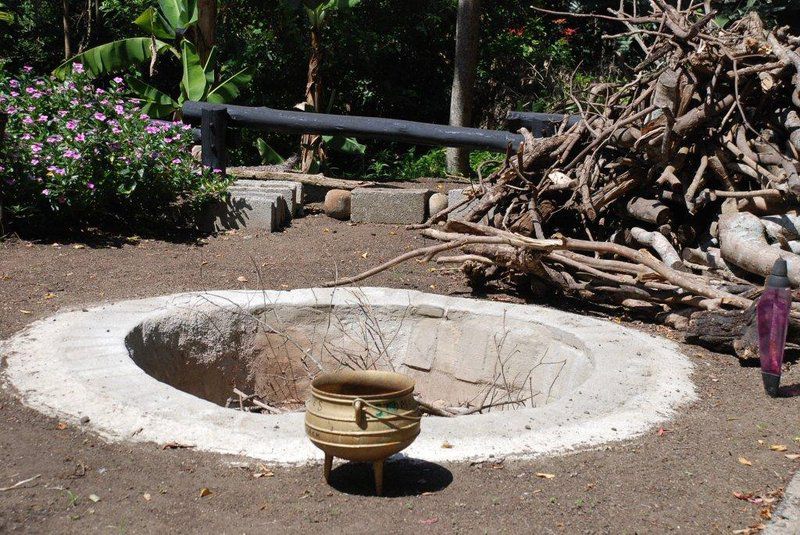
402, 477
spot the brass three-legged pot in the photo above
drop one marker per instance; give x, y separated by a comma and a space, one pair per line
363, 416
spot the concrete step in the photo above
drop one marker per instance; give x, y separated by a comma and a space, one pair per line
297, 196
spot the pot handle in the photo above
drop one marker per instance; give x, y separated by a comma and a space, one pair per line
361, 412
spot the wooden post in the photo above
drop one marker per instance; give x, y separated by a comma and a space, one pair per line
465, 71
214, 121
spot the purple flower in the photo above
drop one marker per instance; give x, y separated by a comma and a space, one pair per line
78, 67
26, 136
99, 116
62, 113
74, 102
30, 90
151, 129
80, 138
14, 83
186, 127
27, 68
72, 124
90, 185
177, 161
45, 192
144, 117
116, 130
54, 139
100, 91
35, 161
117, 80
73, 154
168, 140
36, 148
14, 94
119, 109
218, 171
57, 170
43, 118
11, 110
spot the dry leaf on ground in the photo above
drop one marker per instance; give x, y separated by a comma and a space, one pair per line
778, 447
204, 492
744, 461
545, 476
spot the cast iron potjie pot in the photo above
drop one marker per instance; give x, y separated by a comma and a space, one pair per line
364, 416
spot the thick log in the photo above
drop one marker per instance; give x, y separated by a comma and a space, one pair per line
297, 122
648, 210
743, 242
316, 186
723, 330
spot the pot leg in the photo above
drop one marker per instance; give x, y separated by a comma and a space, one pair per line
328, 465
377, 468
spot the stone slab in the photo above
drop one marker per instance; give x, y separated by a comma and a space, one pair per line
392, 206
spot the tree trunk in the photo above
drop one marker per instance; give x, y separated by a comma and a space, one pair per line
66, 23
465, 70
310, 144
206, 27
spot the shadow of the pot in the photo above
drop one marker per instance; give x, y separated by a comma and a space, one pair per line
789, 391
402, 476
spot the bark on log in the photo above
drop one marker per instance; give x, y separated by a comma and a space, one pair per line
721, 330
648, 210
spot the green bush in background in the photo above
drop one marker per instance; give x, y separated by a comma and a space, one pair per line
75, 156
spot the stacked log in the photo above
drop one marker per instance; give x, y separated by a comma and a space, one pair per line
671, 196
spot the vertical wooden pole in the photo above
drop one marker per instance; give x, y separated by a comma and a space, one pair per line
214, 121
465, 72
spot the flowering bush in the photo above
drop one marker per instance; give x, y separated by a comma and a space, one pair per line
79, 155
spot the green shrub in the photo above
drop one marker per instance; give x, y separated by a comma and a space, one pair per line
75, 155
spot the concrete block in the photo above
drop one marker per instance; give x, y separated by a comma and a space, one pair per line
255, 212
393, 206
288, 193
283, 207
297, 187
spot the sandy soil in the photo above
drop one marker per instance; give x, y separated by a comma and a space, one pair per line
681, 478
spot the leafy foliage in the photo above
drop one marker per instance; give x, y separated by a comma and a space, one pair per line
170, 22
75, 155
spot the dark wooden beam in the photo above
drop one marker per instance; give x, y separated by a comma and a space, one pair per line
297, 122
539, 124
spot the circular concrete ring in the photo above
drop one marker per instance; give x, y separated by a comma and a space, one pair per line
77, 364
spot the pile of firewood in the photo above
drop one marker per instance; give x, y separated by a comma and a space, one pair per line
672, 196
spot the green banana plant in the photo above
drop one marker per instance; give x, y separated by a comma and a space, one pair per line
5, 16
168, 27
317, 12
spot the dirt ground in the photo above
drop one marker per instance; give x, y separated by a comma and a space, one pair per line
679, 478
